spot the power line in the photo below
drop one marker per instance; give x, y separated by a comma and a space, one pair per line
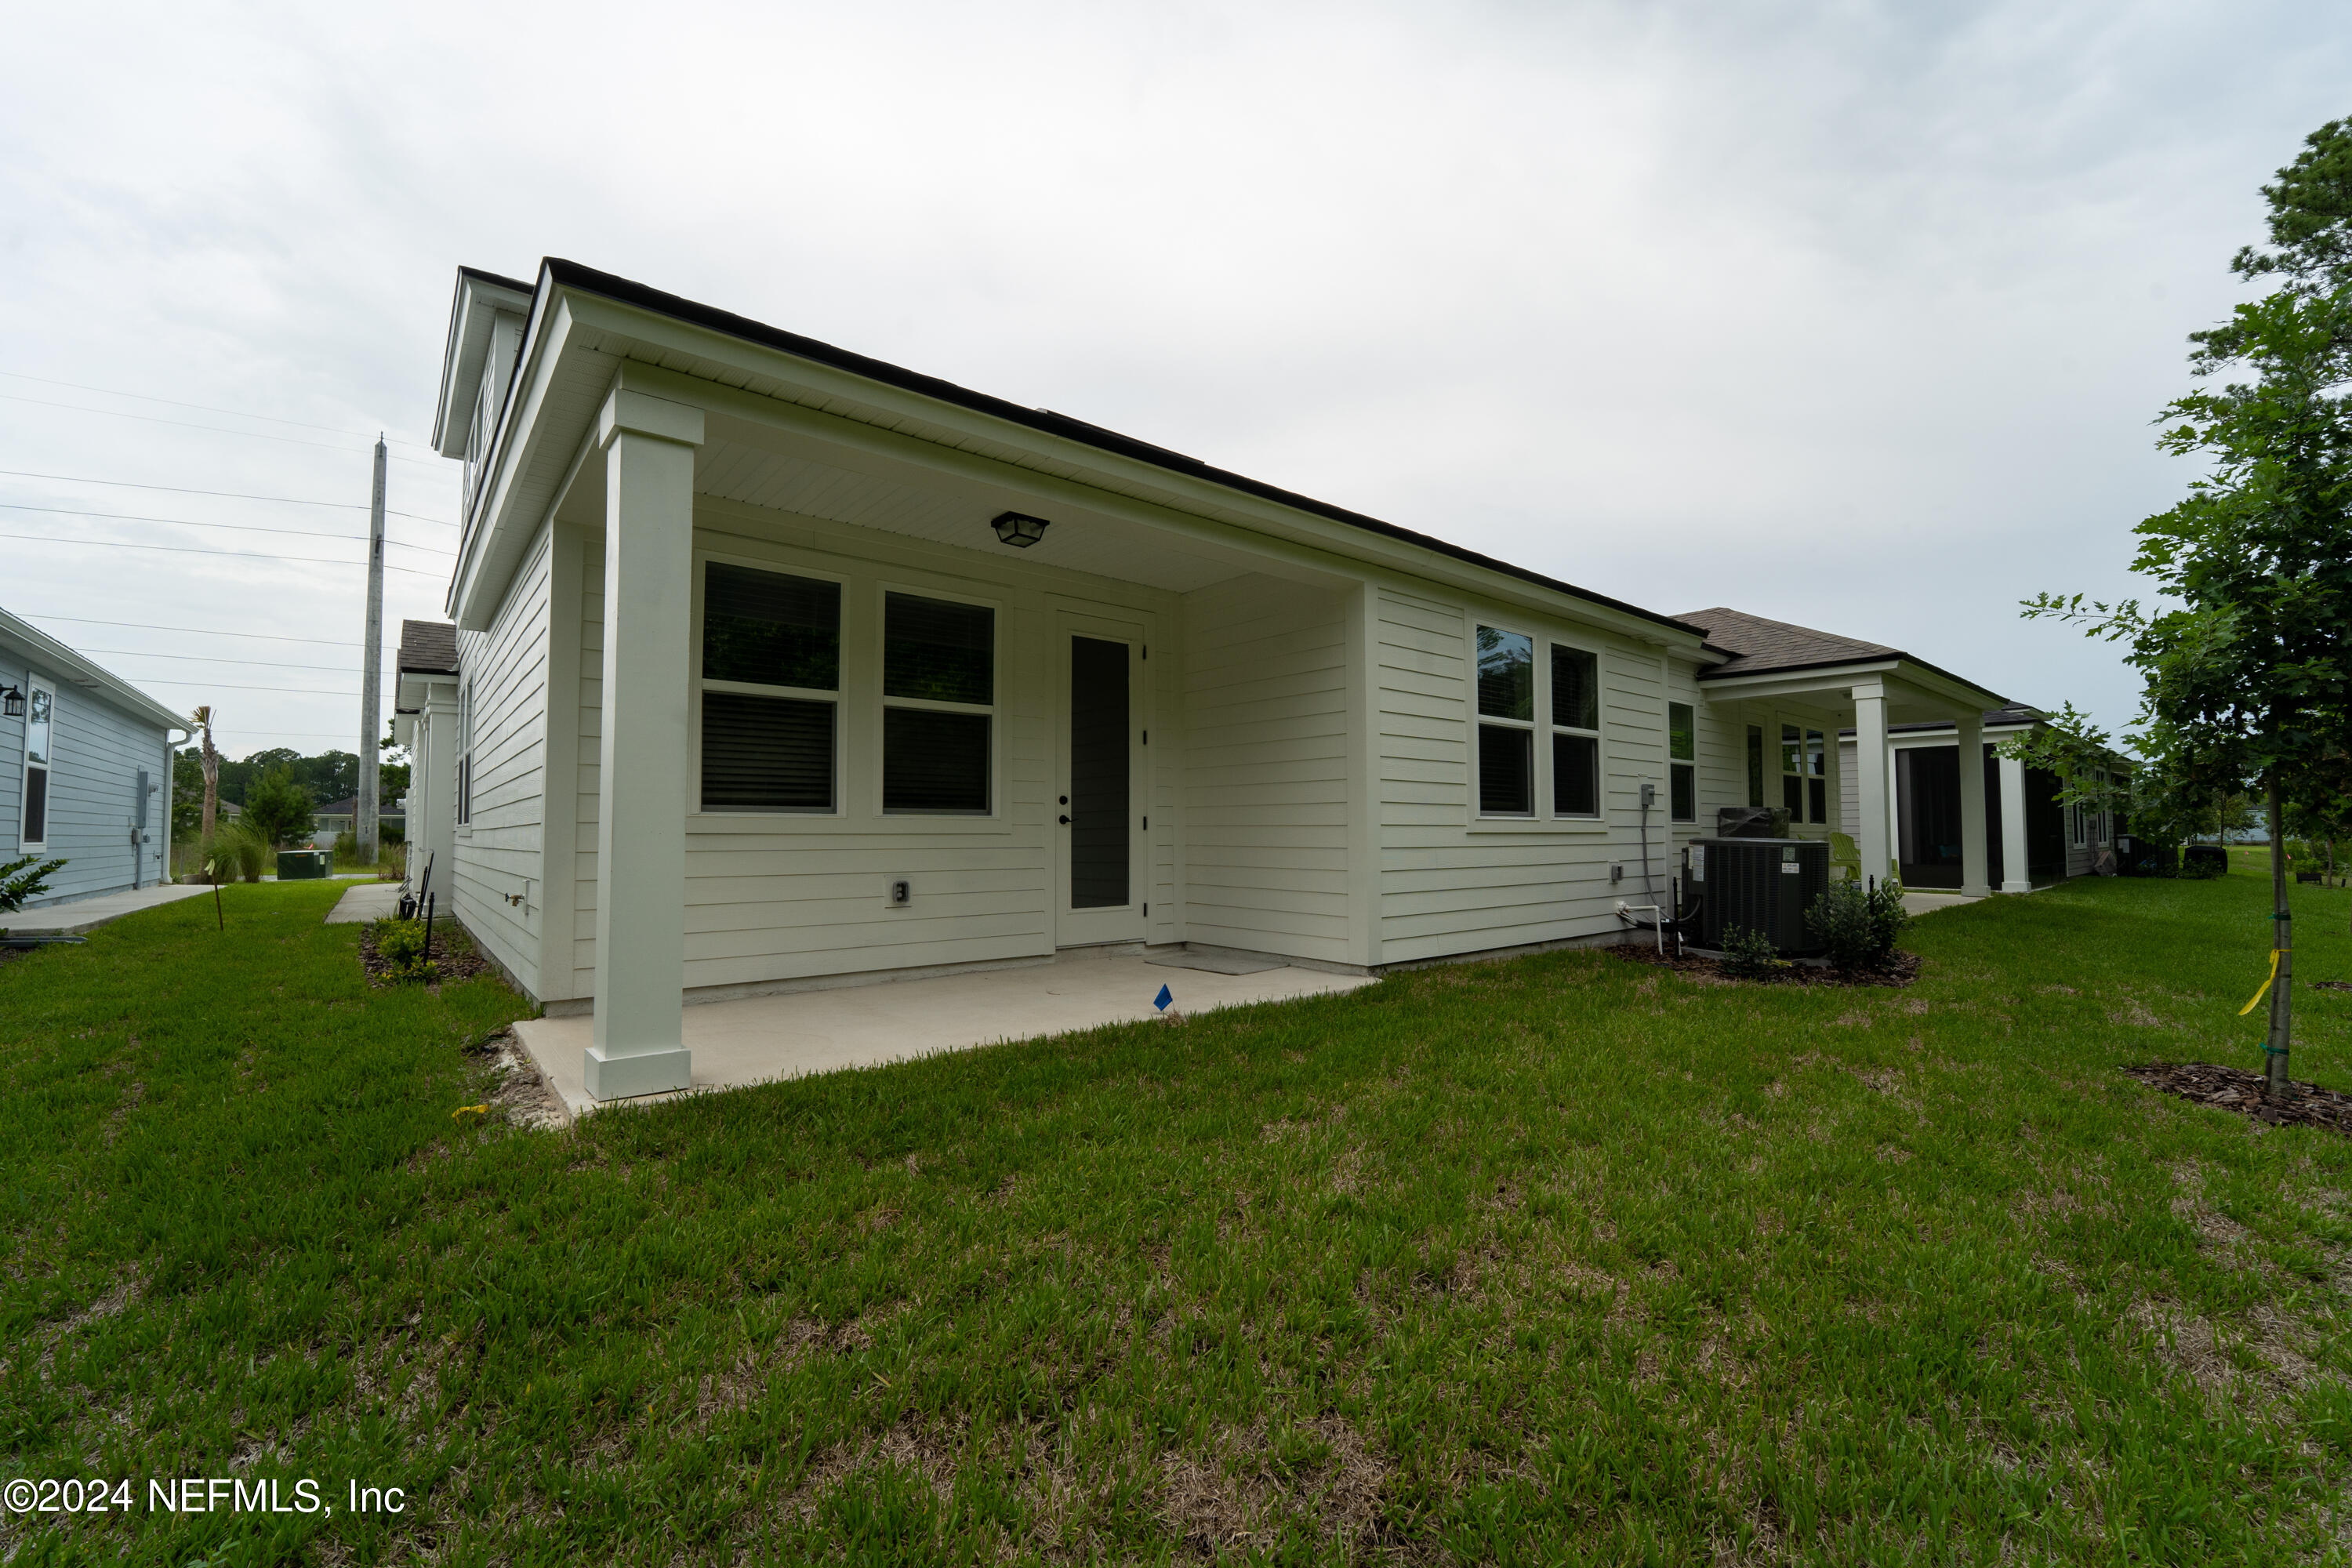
198, 631
246, 527
199, 550
206, 407
216, 686
189, 424
202, 657
225, 495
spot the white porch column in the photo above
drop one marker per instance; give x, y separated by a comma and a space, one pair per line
1971, 727
1874, 783
648, 445
2015, 877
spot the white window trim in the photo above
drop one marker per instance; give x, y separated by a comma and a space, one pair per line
1674, 761
878, 638
1548, 796
695, 686
1544, 820
1539, 683
35, 685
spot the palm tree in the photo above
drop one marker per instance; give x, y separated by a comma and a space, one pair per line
202, 719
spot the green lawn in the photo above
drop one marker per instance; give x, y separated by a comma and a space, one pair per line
1563, 1259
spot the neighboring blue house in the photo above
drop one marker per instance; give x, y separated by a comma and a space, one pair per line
85, 768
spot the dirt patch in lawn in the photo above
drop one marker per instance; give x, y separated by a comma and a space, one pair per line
1902, 970
522, 1092
2235, 1089
2331, 984
453, 956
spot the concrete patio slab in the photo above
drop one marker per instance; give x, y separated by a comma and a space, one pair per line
760, 1039
75, 916
368, 902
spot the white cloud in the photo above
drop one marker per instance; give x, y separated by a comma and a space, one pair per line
1851, 314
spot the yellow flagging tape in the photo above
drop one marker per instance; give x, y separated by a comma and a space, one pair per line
2266, 986
484, 1110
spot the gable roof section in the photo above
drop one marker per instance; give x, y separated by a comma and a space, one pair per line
53, 657
1758, 645
556, 272
428, 648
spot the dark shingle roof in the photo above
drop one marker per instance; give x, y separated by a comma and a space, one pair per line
1758, 644
428, 648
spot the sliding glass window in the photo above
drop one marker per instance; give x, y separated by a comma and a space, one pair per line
939, 706
770, 690
1575, 732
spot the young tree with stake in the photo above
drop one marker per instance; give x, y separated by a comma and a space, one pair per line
2250, 676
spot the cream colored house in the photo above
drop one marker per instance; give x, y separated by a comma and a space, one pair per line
780, 666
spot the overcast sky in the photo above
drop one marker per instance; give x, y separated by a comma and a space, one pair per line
1851, 315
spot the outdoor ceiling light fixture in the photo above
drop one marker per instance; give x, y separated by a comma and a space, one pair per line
12, 702
1018, 529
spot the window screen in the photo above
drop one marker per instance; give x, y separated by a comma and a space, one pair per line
1575, 689
1575, 775
1755, 765
1507, 710
936, 757
937, 651
1576, 732
775, 748
38, 746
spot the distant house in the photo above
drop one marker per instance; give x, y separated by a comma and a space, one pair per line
338, 816
425, 720
85, 767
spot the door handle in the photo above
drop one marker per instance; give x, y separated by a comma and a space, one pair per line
1065, 822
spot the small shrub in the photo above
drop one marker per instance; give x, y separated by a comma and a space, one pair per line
347, 846
1858, 924
400, 947
1750, 954
234, 851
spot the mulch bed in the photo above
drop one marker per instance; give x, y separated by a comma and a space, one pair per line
2235, 1089
1902, 971
453, 955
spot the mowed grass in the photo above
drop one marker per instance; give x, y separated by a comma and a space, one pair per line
1564, 1260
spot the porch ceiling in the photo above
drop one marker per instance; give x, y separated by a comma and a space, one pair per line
801, 474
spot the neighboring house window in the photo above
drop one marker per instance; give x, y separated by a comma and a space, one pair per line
1755, 765
1817, 775
466, 755
39, 759
1681, 761
1792, 771
1506, 727
770, 690
1575, 732
939, 705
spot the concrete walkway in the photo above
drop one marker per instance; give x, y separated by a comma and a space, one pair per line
368, 902
75, 916
1926, 903
761, 1039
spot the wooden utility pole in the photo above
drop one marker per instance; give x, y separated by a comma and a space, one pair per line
364, 825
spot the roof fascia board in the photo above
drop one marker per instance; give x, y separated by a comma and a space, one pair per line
1940, 685
479, 299
485, 539
1797, 683
1187, 491
1278, 532
44, 652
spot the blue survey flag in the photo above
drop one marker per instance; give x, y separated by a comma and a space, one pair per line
1162, 1000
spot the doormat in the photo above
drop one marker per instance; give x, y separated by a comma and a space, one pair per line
2235, 1089
1218, 962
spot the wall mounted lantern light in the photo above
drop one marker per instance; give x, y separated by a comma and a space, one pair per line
1018, 529
12, 702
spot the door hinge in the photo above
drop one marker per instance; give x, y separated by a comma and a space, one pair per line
1146, 825
1146, 653
1147, 911
1147, 737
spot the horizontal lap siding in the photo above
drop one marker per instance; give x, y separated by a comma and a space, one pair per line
586, 621
1446, 887
500, 855
1265, 769
97, 751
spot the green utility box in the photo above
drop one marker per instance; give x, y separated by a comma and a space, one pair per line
297, 864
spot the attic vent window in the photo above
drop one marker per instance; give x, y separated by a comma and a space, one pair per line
1018, 529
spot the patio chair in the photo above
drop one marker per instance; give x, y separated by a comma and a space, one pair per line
1846, 852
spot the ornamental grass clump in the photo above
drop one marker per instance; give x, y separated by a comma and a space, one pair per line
1858, 924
